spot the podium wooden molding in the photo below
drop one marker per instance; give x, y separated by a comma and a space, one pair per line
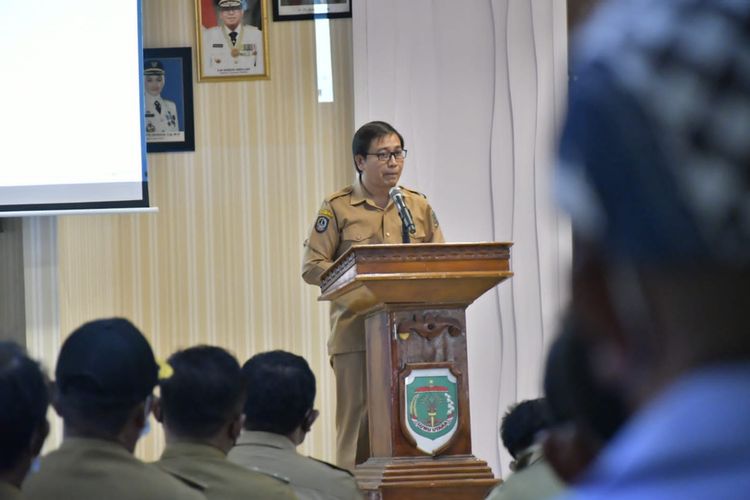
414, 299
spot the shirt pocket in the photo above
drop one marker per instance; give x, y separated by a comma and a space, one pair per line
419, 236
358, 233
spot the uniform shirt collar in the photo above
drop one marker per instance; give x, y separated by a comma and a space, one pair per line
238, 29
360, 195
82, 443
191, 449
265, 439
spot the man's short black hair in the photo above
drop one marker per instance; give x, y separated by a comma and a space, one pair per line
23, 403
368, 133
204, 392
280, 391
522, 423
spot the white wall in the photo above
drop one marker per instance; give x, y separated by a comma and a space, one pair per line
477, 93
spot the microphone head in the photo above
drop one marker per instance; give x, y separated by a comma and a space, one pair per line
394, 192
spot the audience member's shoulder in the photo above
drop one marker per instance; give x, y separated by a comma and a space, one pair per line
331, 469
226, 479
180, 484
9, 492
273, 483
336, 482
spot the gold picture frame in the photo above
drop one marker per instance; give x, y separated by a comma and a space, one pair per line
232, 40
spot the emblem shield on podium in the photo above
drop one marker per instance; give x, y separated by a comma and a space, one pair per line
430, 408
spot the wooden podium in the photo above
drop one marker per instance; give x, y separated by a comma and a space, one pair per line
414, 298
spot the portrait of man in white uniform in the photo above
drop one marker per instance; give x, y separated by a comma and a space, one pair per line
233, 47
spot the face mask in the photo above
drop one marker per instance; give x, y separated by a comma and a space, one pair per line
147, 415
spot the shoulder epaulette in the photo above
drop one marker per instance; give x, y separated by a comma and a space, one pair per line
186, 479
332, 466
338, 194
274, 475
413, 192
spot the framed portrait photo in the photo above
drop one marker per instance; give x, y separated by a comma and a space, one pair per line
232, 40
296, 10
168, 99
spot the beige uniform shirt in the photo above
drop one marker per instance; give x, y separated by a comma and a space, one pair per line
349, 217
223, 480
536, 481
310, 478
94, 469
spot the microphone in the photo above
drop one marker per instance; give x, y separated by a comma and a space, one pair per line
403, 211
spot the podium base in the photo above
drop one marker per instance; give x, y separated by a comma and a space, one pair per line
457, 477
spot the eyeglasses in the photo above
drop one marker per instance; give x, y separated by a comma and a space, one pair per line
386, 156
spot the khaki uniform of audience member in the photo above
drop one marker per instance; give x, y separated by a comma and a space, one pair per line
87, 469
9, 492
536, 481
347, 218
223, 480
311, 479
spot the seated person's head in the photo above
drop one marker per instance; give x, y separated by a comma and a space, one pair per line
280, 394
585, 412
23, 412
520, 428
202, 399
105, 375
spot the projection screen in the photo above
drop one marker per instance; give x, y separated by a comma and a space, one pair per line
72, 110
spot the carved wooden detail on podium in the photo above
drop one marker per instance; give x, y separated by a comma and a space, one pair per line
432, 345
428, 326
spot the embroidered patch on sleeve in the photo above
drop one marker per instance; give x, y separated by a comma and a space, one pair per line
434, 219
321, 224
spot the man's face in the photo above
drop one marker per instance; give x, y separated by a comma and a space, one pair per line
154, 84
380, 176
231, 16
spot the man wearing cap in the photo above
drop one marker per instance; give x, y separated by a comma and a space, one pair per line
201, 410
654, 170
105, 376
161, 114
23, 417
233, 48
279, 413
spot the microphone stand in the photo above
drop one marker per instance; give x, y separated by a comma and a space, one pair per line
404, 232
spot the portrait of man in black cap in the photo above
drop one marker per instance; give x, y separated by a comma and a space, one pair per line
233, 47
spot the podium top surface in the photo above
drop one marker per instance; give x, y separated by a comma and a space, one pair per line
415, 273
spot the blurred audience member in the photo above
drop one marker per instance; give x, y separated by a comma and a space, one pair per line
201, 410
521, 430
23, 417
279, 413
654, 170
105, 376
585, 414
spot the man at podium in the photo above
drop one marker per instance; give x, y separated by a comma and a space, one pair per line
359, 214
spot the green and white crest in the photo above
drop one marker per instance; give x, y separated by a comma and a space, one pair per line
430, 407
